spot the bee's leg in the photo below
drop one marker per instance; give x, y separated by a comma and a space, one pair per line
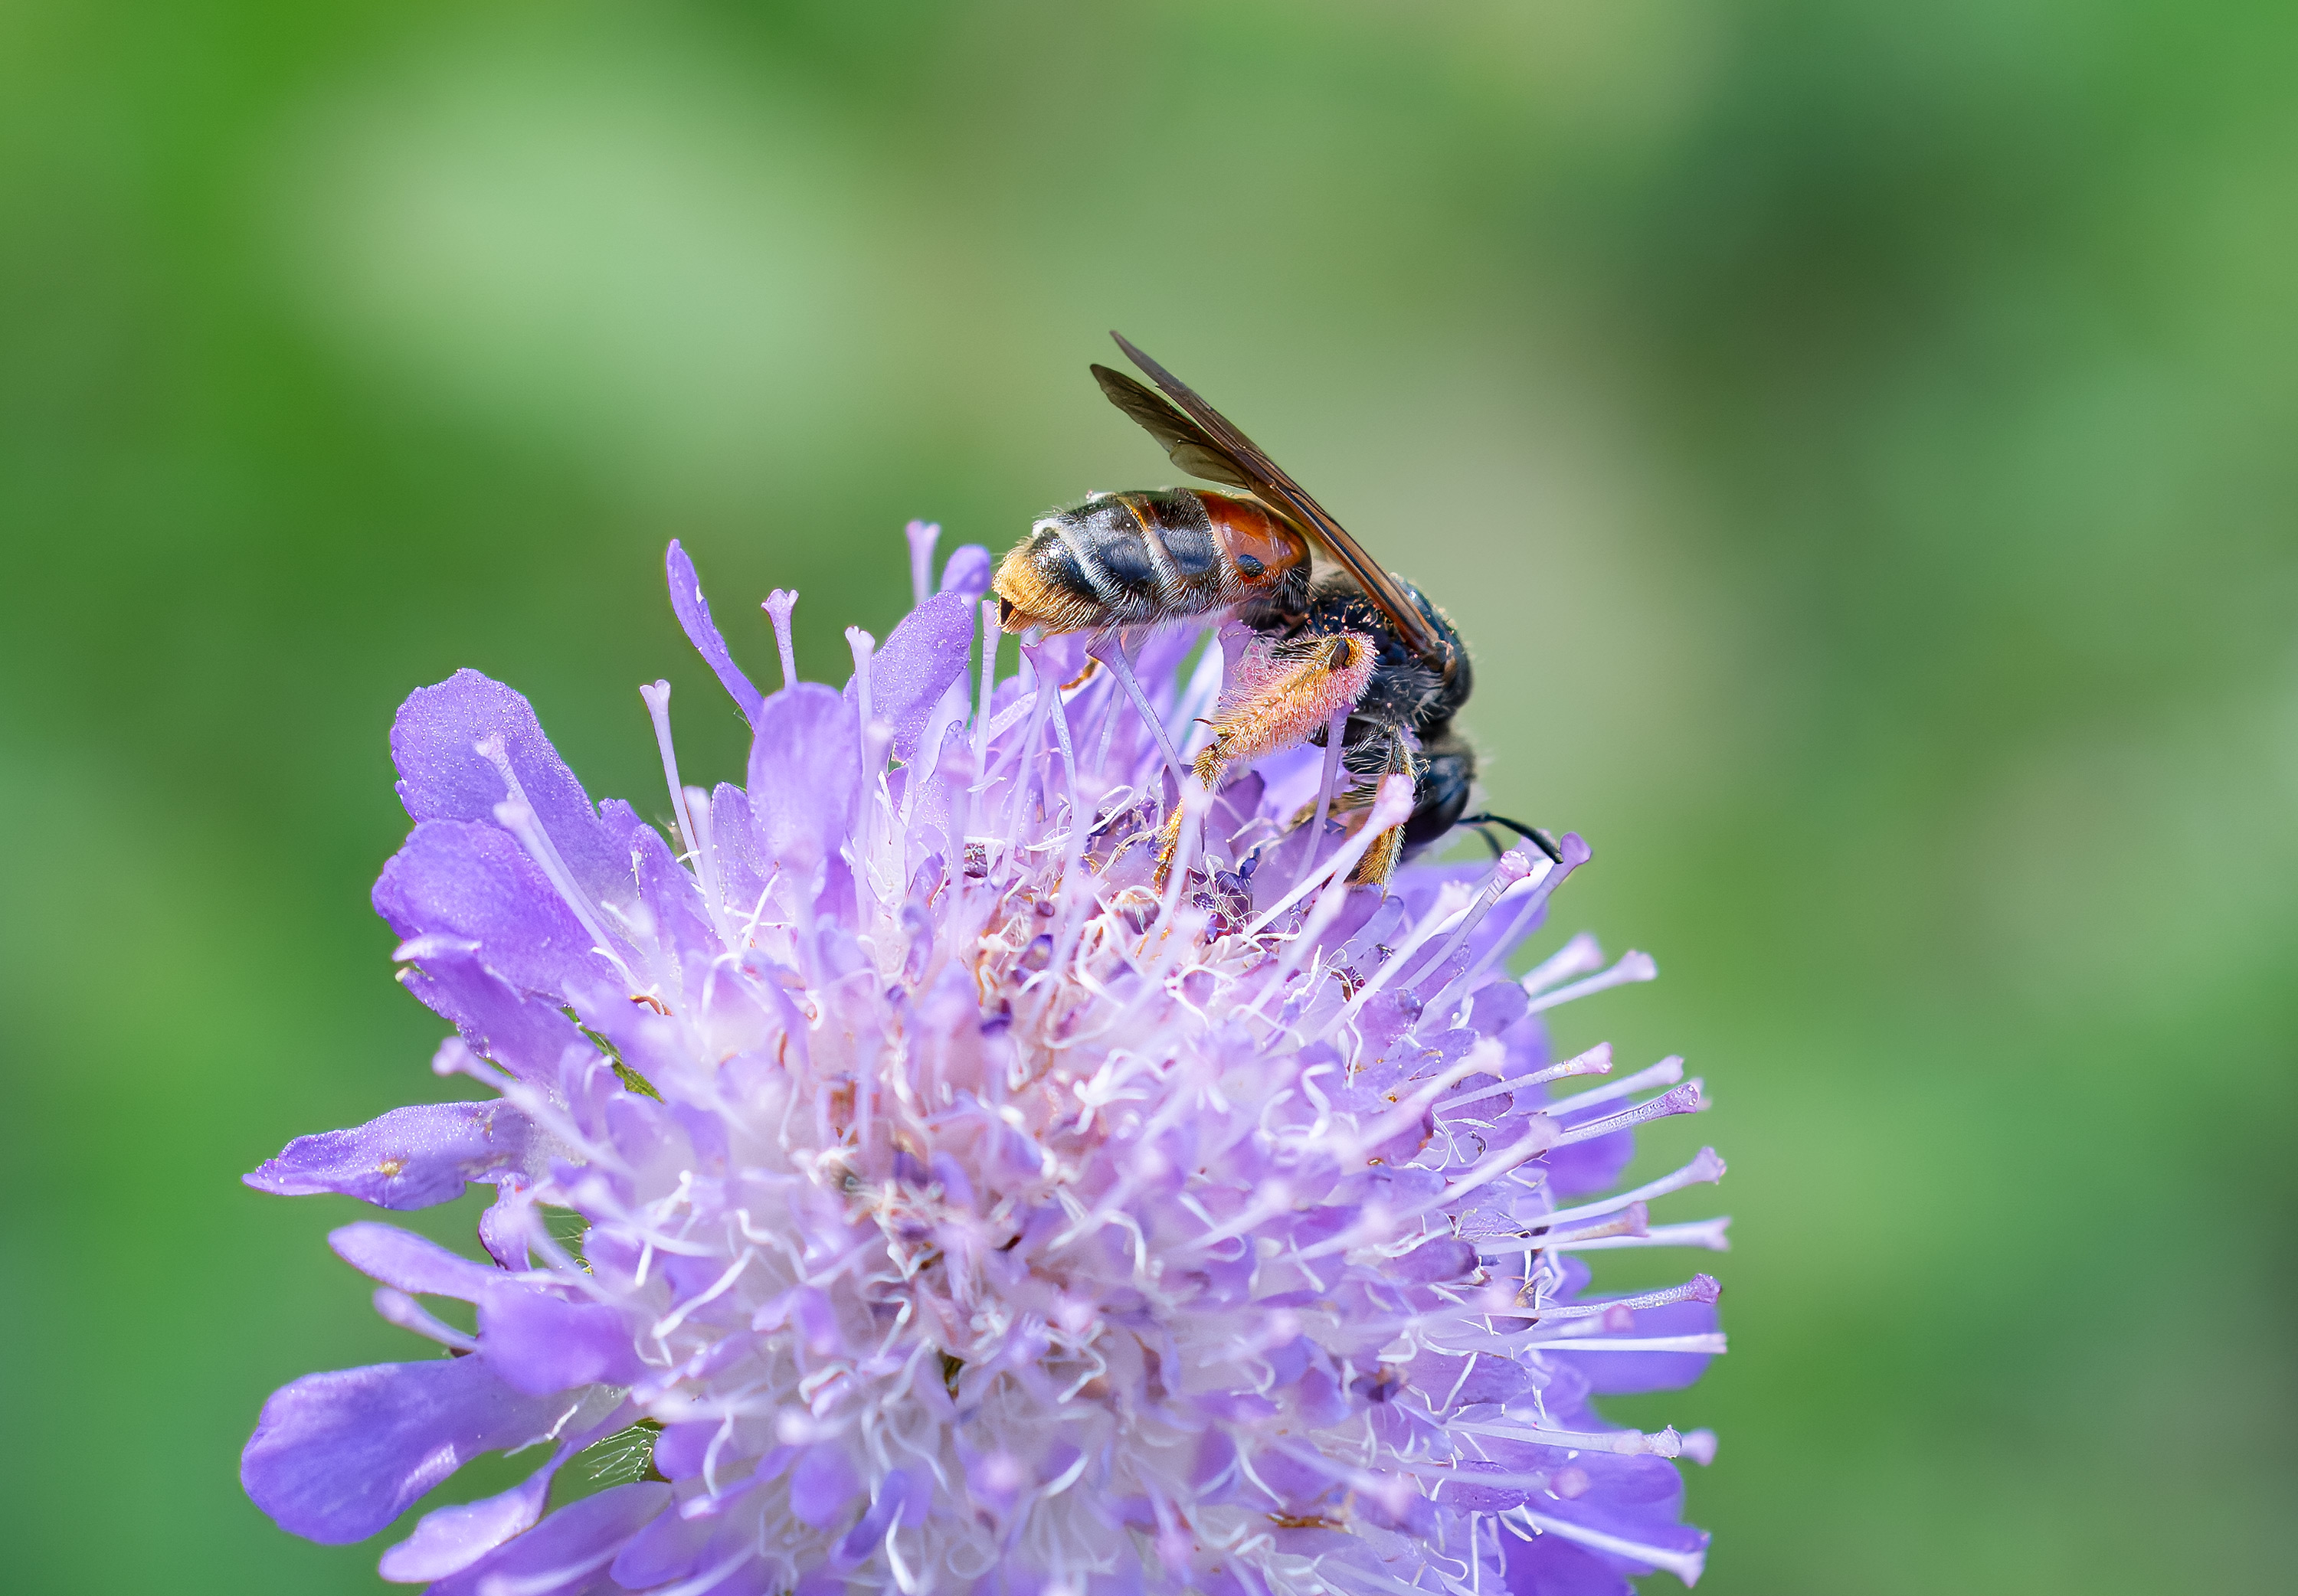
1380, 860
1285, 700
1539, 839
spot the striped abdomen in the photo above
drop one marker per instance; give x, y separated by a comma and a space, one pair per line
1135, 559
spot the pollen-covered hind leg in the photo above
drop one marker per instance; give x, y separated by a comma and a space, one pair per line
1283, 692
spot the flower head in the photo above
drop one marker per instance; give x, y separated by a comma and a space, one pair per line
961, 1209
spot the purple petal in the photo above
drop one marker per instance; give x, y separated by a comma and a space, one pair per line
669, 893
803, 774
694, 612
912, 669
1618, 1374
967, 572
476, 883
1635, 1499
667, 1549
822, 1485
1594, 1165
565, 1550
409, 1262
1442, 1260
455, 1537
410, 1158
741, 873
539, 1345
874, 1525
442, 776
1552, 1565
338, 1456
680, 1449
525, 1036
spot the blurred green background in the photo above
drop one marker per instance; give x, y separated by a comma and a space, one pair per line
1856, 439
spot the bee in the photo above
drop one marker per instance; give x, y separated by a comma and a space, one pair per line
1336, 634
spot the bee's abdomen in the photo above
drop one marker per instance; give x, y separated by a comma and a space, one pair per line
1117, 559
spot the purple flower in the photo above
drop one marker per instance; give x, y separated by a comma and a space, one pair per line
965, 1210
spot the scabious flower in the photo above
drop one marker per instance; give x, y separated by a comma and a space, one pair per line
961, 1210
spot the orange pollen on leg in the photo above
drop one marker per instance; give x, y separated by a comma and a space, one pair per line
1282, 698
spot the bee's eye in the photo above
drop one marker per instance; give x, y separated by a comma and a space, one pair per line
1250, 566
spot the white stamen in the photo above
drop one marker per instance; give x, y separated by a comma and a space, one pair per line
1389, 809
1579, 956
1684, 1565
990, 635
1596, 1060
677, 1316
1664, 1073
1060, 714
1025, 777
1392, 1122
1451, 898
1334, 728
923, 536
1536, 1141
1711, 1344
1198, 698
706, 867
1114, 659
1543, 886
1628, 1443
657, 703
1508, 870
1633, 966
1699, 1288
1195, 800
1702, 1170
1684, 1099
517, 817
778, 607
1698, 1233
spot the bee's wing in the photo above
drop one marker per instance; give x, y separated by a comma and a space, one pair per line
1205, 442
1192, 449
